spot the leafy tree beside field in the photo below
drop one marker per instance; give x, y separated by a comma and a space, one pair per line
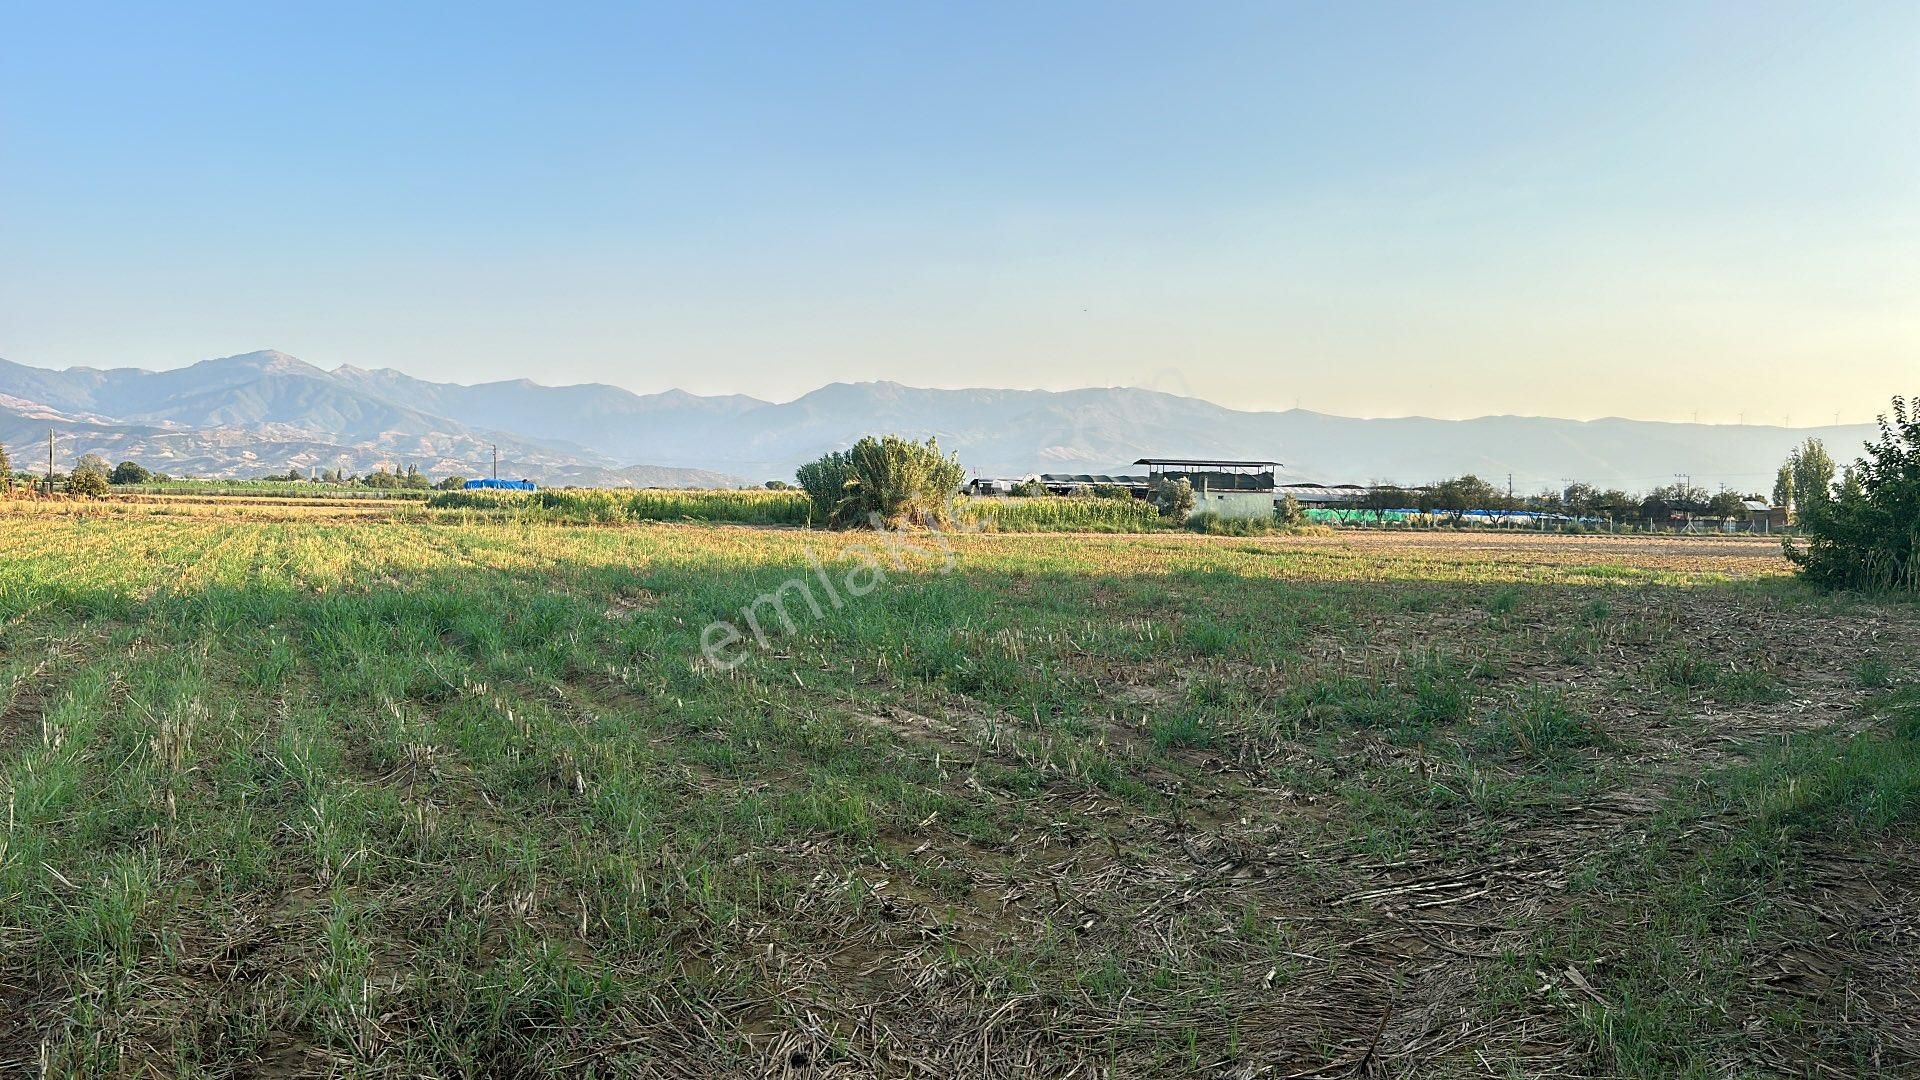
1810, 471
1726, 504
129, 472
1864, 534
88, 480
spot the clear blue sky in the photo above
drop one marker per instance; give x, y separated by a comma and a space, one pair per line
1372, 209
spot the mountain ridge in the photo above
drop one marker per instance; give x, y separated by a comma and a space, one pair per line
229, 415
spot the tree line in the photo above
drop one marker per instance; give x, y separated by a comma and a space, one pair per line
93, 476
90, 476
1453, 499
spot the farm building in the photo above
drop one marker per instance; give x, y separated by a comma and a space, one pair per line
1762, 518
501, 485
1232, 489
1060, 484
1247, 489
1081, 483
1320, 496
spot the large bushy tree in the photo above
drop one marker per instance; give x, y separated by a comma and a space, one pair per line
129, 472
887, 481
1866, 533
87, 481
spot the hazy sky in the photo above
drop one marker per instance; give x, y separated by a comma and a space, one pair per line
1371, 209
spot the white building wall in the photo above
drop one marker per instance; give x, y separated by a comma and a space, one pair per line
1234, 504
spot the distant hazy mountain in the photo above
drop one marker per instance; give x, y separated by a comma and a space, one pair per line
606, 419
1015, 432
264, 411
267, 412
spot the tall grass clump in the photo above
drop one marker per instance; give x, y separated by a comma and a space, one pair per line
888, 481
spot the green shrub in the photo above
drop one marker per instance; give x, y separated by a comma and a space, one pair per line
825, 480
1173, 498
1288, 514
1866, 535
884, 481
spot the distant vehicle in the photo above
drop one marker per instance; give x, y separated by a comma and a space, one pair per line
503, 485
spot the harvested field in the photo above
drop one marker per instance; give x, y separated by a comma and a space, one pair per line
398, 793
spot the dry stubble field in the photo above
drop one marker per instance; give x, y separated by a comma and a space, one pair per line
374, 791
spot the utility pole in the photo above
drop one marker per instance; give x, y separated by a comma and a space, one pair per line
49, 461
496, 462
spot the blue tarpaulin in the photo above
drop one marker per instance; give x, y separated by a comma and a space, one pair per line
501, 485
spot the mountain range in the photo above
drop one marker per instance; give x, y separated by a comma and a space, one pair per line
263, 412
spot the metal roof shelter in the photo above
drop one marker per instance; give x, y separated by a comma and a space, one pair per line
1205, 463
1215, 474
1307, 494
1091, 478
